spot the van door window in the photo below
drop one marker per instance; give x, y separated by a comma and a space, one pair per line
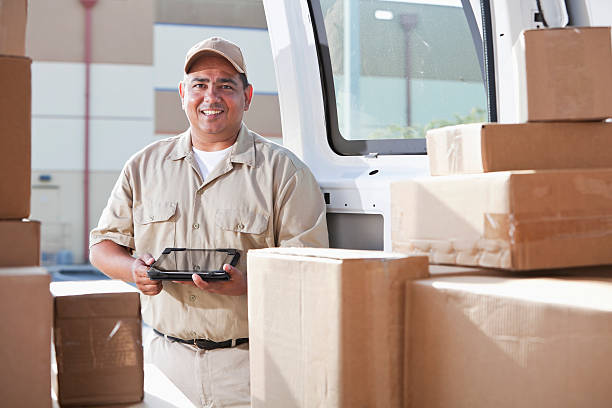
392, 69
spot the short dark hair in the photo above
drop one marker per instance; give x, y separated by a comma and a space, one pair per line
245, 81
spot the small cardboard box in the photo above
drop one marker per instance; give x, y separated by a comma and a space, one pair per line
15, 166
25, 337
326, 326
13, 15
20, 240
508, 341
486, 147
564, 74
521, 220
97, 335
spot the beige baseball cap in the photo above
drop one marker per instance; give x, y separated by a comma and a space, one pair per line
218, 46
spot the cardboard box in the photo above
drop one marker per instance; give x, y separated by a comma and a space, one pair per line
326, 326
97, 335
20, 240
25, 337
15, 166
13, 15
564, 74
478, 341
521, 220
478, 148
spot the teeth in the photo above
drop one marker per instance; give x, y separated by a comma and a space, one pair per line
211, 112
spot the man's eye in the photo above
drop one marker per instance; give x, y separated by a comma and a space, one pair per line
198, 86
226, 87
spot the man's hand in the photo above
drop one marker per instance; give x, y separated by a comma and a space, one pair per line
236, 286
140, 277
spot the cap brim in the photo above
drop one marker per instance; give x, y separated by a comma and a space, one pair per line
200, 53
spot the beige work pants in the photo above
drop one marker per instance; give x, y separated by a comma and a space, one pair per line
209, 378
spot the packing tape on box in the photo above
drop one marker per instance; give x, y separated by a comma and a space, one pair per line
502, 232
454, 151
484, 252
545, 228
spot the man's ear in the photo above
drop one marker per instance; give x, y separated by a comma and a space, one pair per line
248, 96
181, 89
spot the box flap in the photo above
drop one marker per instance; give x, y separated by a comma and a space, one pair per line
95, 299
578, 292
325, 253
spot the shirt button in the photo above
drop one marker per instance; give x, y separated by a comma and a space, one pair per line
152, 217
192, 298
196, 226
240, 226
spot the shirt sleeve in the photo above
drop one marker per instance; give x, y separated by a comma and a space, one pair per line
116, 222
300, 213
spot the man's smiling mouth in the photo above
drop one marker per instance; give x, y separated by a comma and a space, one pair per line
211, 112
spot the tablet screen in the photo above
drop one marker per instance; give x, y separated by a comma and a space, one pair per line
194, 260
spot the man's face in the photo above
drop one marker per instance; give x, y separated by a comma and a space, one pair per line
214, 99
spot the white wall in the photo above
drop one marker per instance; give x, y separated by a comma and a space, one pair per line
172, 41
121, 114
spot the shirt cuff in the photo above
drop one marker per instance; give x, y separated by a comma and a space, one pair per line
119, 239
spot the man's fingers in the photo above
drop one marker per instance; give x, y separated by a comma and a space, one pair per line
199, 282
230, 270
150, 291
147, 259
149, 288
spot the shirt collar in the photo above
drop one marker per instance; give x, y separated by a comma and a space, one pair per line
243, 149
182, 147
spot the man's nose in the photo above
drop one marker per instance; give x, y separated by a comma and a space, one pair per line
211, 94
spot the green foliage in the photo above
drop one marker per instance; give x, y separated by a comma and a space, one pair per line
475, 115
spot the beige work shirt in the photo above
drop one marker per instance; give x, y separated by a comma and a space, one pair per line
260, 196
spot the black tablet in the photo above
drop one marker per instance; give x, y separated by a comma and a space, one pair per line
178, 264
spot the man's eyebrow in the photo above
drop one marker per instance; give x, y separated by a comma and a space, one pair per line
226, 80
220, 80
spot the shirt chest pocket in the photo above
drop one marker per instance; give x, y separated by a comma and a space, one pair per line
241, 221
154, 226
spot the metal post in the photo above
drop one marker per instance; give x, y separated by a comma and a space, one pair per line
408, 22
352, 69
88, 4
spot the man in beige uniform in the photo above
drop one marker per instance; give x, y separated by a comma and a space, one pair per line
257, 195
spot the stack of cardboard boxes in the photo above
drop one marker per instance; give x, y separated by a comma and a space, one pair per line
19, 238
25, 324
523, 196
526, 199
97, 327
366, 328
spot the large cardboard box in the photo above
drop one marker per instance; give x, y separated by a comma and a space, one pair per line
25, 337
486, 147
326, 327
97, 335
13, 14
20, 240
478, 341
564, 74
521, 220
15, 166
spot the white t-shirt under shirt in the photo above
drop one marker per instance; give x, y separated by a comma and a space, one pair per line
208, 160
